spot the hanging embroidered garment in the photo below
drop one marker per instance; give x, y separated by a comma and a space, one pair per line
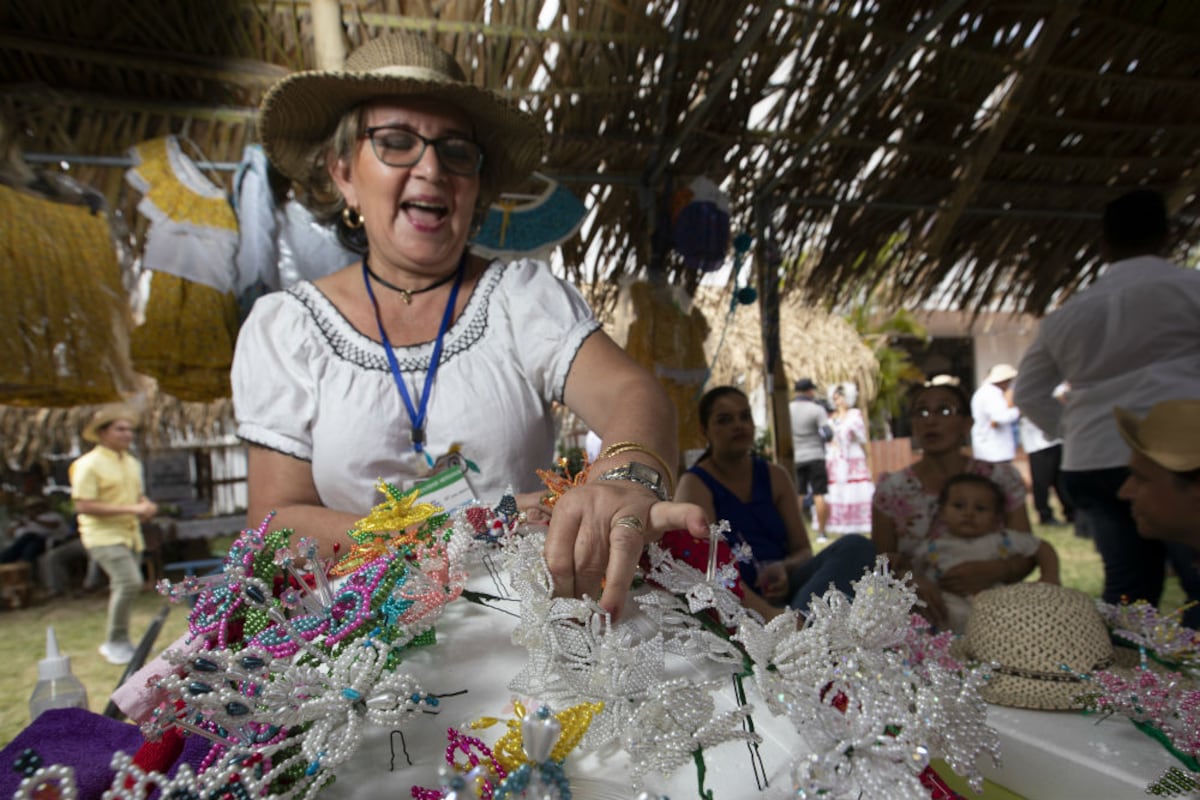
280, 243
254, 203
669, 340
186, 341
66, 311
513, 227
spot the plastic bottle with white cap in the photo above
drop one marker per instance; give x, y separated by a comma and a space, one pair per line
57, 687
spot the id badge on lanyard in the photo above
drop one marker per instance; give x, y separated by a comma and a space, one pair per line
448, 487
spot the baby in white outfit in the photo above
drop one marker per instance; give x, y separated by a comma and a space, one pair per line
972, 510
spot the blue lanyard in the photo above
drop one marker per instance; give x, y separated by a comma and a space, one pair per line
416, 415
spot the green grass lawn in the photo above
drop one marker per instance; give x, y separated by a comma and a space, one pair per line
79, 625
1080, 566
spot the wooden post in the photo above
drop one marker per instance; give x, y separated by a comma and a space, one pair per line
774, 379
328, 42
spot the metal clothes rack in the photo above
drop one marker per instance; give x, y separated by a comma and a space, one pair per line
114, 161
611, 178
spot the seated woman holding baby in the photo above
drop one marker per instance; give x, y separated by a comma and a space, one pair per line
905, 518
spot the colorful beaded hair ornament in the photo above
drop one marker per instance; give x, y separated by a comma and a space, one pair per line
292, 657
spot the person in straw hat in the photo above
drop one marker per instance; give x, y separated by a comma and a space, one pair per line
107, 490
421, 348
1163, 486
992, 435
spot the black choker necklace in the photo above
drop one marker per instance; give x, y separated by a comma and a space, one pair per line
406, 293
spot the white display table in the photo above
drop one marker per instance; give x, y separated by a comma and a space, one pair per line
1050, 755
474, 652
1046, 755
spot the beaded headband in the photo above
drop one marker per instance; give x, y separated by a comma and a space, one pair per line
297, 656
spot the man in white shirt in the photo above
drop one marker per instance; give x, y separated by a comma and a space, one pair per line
992, 434
1131, 339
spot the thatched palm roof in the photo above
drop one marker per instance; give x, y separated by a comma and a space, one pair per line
874, 145
877, 142
814, 344
29, 435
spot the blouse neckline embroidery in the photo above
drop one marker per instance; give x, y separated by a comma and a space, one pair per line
351, 344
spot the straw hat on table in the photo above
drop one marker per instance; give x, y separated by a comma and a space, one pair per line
1039, 637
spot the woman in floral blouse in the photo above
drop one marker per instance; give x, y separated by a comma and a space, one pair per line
904, 515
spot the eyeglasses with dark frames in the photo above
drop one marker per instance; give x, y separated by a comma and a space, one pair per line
926, 412
401, 147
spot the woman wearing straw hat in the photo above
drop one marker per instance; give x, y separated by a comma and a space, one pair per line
904, 515
379, 369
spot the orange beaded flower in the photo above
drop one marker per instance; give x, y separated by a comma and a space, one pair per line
558, 484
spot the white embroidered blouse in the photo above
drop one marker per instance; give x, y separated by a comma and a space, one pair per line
308, 384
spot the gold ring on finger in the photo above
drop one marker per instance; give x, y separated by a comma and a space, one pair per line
631, 522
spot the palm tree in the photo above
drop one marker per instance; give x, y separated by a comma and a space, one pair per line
897, 372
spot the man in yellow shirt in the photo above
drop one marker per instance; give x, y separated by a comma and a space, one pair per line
106, 486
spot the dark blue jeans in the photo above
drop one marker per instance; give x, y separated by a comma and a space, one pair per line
1046, 474
843, 561
1134, 568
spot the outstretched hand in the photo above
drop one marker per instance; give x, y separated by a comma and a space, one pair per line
934, 609
597, 535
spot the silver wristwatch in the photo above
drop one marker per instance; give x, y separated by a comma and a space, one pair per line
639, 473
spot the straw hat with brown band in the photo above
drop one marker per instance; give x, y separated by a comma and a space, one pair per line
301, 111
1169, 435
1040, 638
106, 416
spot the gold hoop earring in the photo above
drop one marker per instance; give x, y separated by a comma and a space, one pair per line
352, 219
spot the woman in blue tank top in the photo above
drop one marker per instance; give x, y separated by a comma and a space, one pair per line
760, 502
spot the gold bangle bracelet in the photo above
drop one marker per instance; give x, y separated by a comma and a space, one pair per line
617, 448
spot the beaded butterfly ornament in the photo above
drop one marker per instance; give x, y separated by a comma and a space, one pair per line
1162, 636
527, 759
285, 682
